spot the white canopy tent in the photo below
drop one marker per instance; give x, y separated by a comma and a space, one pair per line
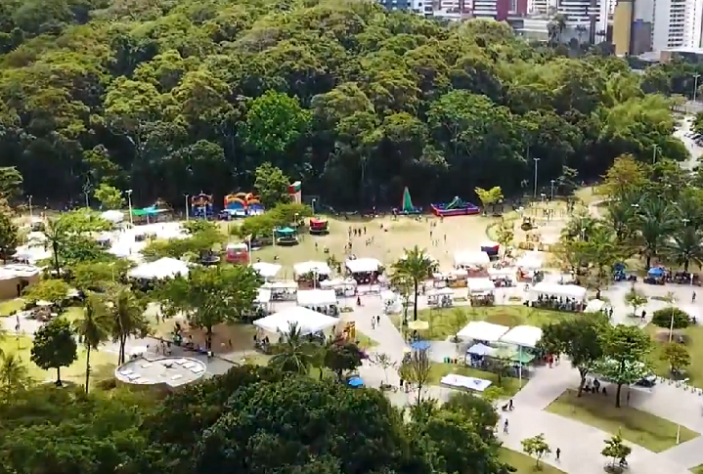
483, 331
281, 290
160, 269
531, 261
317, 298
267, 270
113, 216
523, 336
31, 254
363, 265
471, 259
306, 320
319, 268
480, 285
594, 306
560, 291
342, 287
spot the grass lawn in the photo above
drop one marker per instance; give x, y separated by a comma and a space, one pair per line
364, 341
7, 307
102, 363
447, 322
525, 464
698, 469
639, 427
694, 336
509, 385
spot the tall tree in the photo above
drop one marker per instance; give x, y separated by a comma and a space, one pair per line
9, 237
272, 185
14, 374
293, 353
127, 315
94, 328
55, 346
417, 266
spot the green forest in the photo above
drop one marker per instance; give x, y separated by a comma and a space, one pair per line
177, 97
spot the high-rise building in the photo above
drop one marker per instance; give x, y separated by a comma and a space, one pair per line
500, 10
584, 20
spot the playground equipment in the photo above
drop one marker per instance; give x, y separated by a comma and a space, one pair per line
286, 236
319, 226
456, 207
243, 205
237, 253
201, 206
295, 192
406, 207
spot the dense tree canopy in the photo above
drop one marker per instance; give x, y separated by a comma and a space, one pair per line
168, 98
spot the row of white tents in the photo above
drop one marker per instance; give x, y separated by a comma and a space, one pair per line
523, 336
531, 261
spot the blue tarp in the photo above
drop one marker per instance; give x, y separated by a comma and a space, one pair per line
656, 271
420, 345
356, 382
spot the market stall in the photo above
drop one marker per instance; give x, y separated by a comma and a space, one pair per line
482, 331
272, 328
310, 274
503, 277
558, 297
364, 270
472, 261
282, 290
115, 217
268, 271
322, 301
392, 302
529, 267
597, 306
263, 300
344, 287
481, 291
455, 278
523, 336
440, 297
159, 270
492, 249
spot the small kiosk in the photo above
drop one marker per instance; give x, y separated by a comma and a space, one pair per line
286, 236
453, 279
481, 291
503, 277
440, 298
492, 249
529, 267
268, 271
322, 301
475, 263
558, 297
310, 274
281, 290
342, 287
319, 226
237, 253
274, 328
364, 270
263, 300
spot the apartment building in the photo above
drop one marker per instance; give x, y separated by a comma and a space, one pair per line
585, 20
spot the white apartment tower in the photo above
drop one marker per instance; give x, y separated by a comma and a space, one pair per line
591, 16
677, 24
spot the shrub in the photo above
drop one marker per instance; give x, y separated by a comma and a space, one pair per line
662, 318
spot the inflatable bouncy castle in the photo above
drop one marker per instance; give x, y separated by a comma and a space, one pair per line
243, 205
295, 192
201, 206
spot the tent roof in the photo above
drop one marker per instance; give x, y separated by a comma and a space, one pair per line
316, 297
267, 270
471, 258
162, 268
531, 261
479, 350
363, 265
482, 331
440, 292
525, 336
480, 285
113, 216
307, 320
321, 268
263, 296
594, 306
555, 289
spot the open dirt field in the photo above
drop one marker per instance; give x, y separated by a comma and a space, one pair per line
385, 243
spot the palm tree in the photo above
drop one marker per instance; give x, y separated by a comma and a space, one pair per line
417, 266
127, 315
13, 373
686, 247
293, 353
620, 217
56, 236
579, 227
94, 329
655, 221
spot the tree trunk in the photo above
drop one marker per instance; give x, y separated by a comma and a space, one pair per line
415, 303
208, 339
685, 266
87, 369
58, 376
581, 384
123, 342
617, 396
649, 262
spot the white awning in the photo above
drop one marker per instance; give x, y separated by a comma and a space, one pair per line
483, 331
554, 289
531, 261
317, 297
306, 320
363, 265
505, 272
113, 216
471, 259
525, 336
594, 306
263, 296
440, 292
480, 285
162, 268
267, 270
320, 268
280, 285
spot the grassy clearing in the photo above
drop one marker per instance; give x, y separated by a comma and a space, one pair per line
364, 341
637, 426
9, 306
444, 323
524, 464
694, 337
697, 470
509, 385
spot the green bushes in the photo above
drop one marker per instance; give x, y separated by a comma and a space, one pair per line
662, 318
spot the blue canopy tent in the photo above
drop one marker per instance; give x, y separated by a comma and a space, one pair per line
420, 345
656, 272
355, 382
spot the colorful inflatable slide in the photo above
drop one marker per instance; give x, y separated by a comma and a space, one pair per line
455, 208
407, 207
243, 204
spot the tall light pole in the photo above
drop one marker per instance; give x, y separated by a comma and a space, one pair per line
187, 215
129, 205
553, 181
29, 198
536, 160
695, 85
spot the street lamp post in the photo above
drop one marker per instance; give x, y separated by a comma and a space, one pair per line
536, 160
187, 215
29, 198
552, 181
129, 205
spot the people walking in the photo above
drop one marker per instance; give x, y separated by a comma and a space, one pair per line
505, 426
558, 453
